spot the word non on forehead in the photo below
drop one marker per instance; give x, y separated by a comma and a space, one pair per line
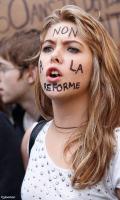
65, 30
61, 87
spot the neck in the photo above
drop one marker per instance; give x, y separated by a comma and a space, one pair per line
71, 113
29, 105
66, 130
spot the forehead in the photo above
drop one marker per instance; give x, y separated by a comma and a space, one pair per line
62, 30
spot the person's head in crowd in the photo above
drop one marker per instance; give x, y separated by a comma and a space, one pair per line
18, 70
79, 63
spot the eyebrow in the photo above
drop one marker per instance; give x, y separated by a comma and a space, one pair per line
64, 42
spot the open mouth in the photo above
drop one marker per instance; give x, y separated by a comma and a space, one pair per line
53, 73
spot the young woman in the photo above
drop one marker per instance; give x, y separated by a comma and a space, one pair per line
76, 156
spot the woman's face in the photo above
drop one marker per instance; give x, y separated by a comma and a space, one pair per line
65, 63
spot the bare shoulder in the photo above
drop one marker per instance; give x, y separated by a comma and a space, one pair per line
24, 145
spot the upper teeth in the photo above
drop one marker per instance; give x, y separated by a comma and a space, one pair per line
54, 73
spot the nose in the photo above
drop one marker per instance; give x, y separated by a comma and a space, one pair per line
57, 57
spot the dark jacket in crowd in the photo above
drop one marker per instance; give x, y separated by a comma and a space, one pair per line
11, 166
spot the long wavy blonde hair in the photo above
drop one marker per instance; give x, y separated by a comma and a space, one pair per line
96, 139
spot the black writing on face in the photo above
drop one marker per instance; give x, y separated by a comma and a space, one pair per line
57, 31
79, 68
61, 87
41, 66
73, 31
65, 30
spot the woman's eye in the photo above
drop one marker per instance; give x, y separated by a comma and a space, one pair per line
47, 49
73, 50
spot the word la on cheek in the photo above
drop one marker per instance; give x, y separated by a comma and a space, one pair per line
41, 66
76, 70
61, 87
65, 30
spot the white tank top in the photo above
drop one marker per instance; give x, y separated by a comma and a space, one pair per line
46, 181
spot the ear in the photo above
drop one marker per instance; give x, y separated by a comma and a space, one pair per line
31, 74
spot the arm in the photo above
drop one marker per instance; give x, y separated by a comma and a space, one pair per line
26, 144
24, 147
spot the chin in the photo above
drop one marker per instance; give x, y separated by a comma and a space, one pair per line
7, 101
62, 96
53, 94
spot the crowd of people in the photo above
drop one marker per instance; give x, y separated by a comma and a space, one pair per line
17, 82
60, 88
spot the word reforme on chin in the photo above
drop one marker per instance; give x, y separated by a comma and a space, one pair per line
61, 87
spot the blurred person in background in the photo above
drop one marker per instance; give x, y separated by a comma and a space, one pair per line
11, 166
17, 76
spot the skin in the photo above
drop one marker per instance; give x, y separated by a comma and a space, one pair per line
57, 51
69, 106
66, 48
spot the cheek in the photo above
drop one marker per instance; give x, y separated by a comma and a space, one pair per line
81, 71
41, 77
43, 62
11, 81
11, 85
89, 69
6, 80
86, 63
13, 76
43, 65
